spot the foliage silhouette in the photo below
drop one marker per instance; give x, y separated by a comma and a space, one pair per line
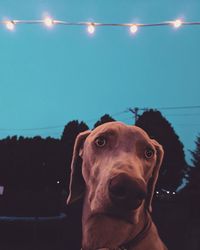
70, 132
29, 172
194, 174
174, 164
104, 119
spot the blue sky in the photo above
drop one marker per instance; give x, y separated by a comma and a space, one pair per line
51, 76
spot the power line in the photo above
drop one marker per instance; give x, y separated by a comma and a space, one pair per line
135, 111
113, 114
31, 129
193, 114
180, 107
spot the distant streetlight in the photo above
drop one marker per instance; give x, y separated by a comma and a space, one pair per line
1, 190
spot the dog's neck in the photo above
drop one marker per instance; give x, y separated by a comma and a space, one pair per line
101, 231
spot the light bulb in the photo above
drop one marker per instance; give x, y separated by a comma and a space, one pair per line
91, 28
10, 25
177, 23
133, 28
48, 22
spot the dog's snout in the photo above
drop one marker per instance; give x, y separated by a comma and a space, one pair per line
125, 192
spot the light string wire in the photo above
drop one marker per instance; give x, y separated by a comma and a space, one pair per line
10, 24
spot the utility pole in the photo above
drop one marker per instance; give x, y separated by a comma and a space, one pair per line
134, 111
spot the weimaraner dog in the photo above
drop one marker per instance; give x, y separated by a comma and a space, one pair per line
115, 167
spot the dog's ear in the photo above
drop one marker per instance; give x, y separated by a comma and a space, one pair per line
77, 184
155, 173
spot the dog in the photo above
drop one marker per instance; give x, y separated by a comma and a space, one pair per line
115, 168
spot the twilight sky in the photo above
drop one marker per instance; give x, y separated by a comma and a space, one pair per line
51, 76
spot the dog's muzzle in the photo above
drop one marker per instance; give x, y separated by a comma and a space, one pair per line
125, 192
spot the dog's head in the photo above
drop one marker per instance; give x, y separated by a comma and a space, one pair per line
117, 165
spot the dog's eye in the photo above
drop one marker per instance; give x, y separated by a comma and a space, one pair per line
149, 153
100, 141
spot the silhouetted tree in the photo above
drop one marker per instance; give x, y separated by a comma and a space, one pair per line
30, 169
194, 175
71, 130
174, 164
105, 118
196, 154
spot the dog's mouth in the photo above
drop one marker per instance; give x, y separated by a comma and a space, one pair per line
119, 212
116, 215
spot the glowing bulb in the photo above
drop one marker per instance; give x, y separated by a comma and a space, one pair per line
91, 28
177, 23
48, 22
133, 28
10, 25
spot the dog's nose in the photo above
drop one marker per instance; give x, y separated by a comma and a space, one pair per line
125, 192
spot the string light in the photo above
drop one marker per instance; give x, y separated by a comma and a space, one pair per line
10, 25
133, 28
91, 28
49, 22
177, 23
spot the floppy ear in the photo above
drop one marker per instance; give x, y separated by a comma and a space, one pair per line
77, 184
154, 177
